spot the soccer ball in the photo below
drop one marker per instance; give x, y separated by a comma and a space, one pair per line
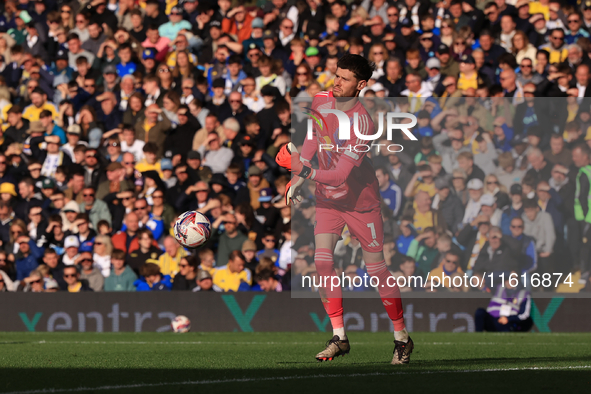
192, 229
181, 324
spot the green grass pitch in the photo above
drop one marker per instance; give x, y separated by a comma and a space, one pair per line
256, 362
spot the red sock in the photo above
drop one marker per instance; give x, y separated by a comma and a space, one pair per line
390, 294
332, 299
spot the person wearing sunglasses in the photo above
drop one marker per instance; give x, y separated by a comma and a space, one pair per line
72, 278
449, 266
90, 273
97, 210
556, 47
34, 283
523, 243
186, 279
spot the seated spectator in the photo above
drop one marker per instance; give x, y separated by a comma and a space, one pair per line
34, 283
205, 282
407, 234
488, 207
186, 279
96, 209
89, 272
421, 181
230, 240
269, 283
233, 276
472, 238
102, 254
448, 204
152, 279
121, 277
539, 226
72, 278
423, 250
449, 266
27, 258
515, 209
146, 249
407, 269
170, 260
55, 267
475, 189
508, 310
249, 250
495, 255
424, 216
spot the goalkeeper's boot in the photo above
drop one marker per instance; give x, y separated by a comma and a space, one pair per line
335, 347
402, 352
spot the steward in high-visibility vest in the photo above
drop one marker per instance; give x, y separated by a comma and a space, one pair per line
583, 182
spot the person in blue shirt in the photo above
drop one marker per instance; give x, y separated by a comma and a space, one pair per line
51, 128
175, 24
515, 210
27, 258
575, 30
391, 193
152, 279
126, 66
523, 244
408, 234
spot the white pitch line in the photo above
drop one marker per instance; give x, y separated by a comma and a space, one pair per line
294, 377
270, 343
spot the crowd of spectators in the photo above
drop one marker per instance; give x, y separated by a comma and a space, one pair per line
118, 115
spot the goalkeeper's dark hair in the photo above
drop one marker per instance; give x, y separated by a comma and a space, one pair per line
358, 65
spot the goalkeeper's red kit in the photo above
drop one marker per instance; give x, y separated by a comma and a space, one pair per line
347, 193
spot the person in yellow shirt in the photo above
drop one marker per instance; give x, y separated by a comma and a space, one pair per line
540, 7
233, 276
39, 103
421, 181
150, 161
449, 266
556, 48
468, 74
169, 261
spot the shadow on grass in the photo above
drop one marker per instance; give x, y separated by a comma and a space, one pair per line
359, 377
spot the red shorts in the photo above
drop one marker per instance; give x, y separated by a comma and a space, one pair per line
367, 227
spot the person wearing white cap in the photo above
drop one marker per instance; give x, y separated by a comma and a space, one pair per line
475, 189
434, 81
488, 206
71, 245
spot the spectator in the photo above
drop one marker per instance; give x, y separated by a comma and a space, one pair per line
233, 276
231, 239
539, 226
89, 272
424, 216
186, 279
146, 248
27, 258
495, 256
449, 266
121, 277
97, 209
170, 260
448, 204
205, 282
422, 249
103, 249
72, 278
152, 279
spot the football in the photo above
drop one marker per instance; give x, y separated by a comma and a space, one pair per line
181, 324
192, 229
